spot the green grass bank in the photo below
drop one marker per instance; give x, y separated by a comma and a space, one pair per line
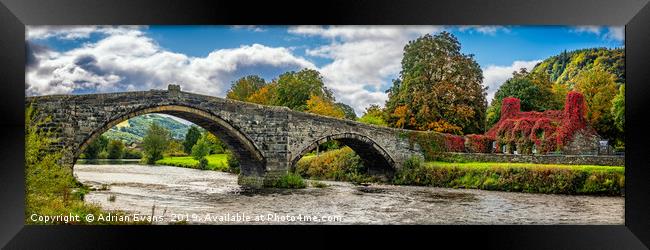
515, 177
217, 162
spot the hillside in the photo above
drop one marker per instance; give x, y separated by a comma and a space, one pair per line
565, 66
134, 129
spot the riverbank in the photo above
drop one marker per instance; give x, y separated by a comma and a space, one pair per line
218, 162
515, 177
344, 165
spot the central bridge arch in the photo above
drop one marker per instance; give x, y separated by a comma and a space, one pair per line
251, 159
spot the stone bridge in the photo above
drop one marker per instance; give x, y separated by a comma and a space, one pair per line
268, 140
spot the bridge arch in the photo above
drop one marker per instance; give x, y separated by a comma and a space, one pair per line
374, 157
252, 161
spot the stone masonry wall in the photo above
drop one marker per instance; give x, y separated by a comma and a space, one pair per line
603, 160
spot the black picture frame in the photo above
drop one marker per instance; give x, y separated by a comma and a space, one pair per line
634, 14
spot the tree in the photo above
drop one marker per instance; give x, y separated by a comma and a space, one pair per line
265, 95
46, 181
599, 89
439, 88
216, 145
618, 109
200, 149
115, 149
155, 142
193, 134
175, 148
321, 106
244, 87
373, 115
95, 147
295, 88
347, 111
535, 90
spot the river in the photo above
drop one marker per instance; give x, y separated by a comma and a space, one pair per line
211, 197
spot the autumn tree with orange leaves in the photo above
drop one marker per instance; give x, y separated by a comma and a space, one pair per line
439, 88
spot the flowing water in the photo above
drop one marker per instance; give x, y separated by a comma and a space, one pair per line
211, 197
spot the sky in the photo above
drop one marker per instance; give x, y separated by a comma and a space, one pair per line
357, 63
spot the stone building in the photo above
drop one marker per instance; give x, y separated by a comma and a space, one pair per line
553, 131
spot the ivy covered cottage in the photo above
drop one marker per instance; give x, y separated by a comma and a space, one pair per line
560, 131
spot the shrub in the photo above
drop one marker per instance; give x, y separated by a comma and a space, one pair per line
203, 163
103, 155
318, 184
175, 148
115, 149
411, 172
132, 154
478, 144
289, 180
233, 162
95, 147
339, 165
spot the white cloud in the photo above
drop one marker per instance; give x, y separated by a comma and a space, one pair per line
495, 75
483, 29
132, 61
73, 32
587, 29
254, 28
616, 33
364, 59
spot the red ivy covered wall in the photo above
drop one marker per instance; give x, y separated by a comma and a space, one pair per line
547, 131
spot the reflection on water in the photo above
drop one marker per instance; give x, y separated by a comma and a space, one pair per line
172, 191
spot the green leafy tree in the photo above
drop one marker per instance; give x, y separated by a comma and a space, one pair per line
535, 90
175, 148
439, 88
115, 149
598, 86
216, 145
374, 115
95, 147
618, 109
347, 111
321, 106
47, 184
295, 88
244, 87
266, 95
193, 134
200, 149
566, 66
155, 142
